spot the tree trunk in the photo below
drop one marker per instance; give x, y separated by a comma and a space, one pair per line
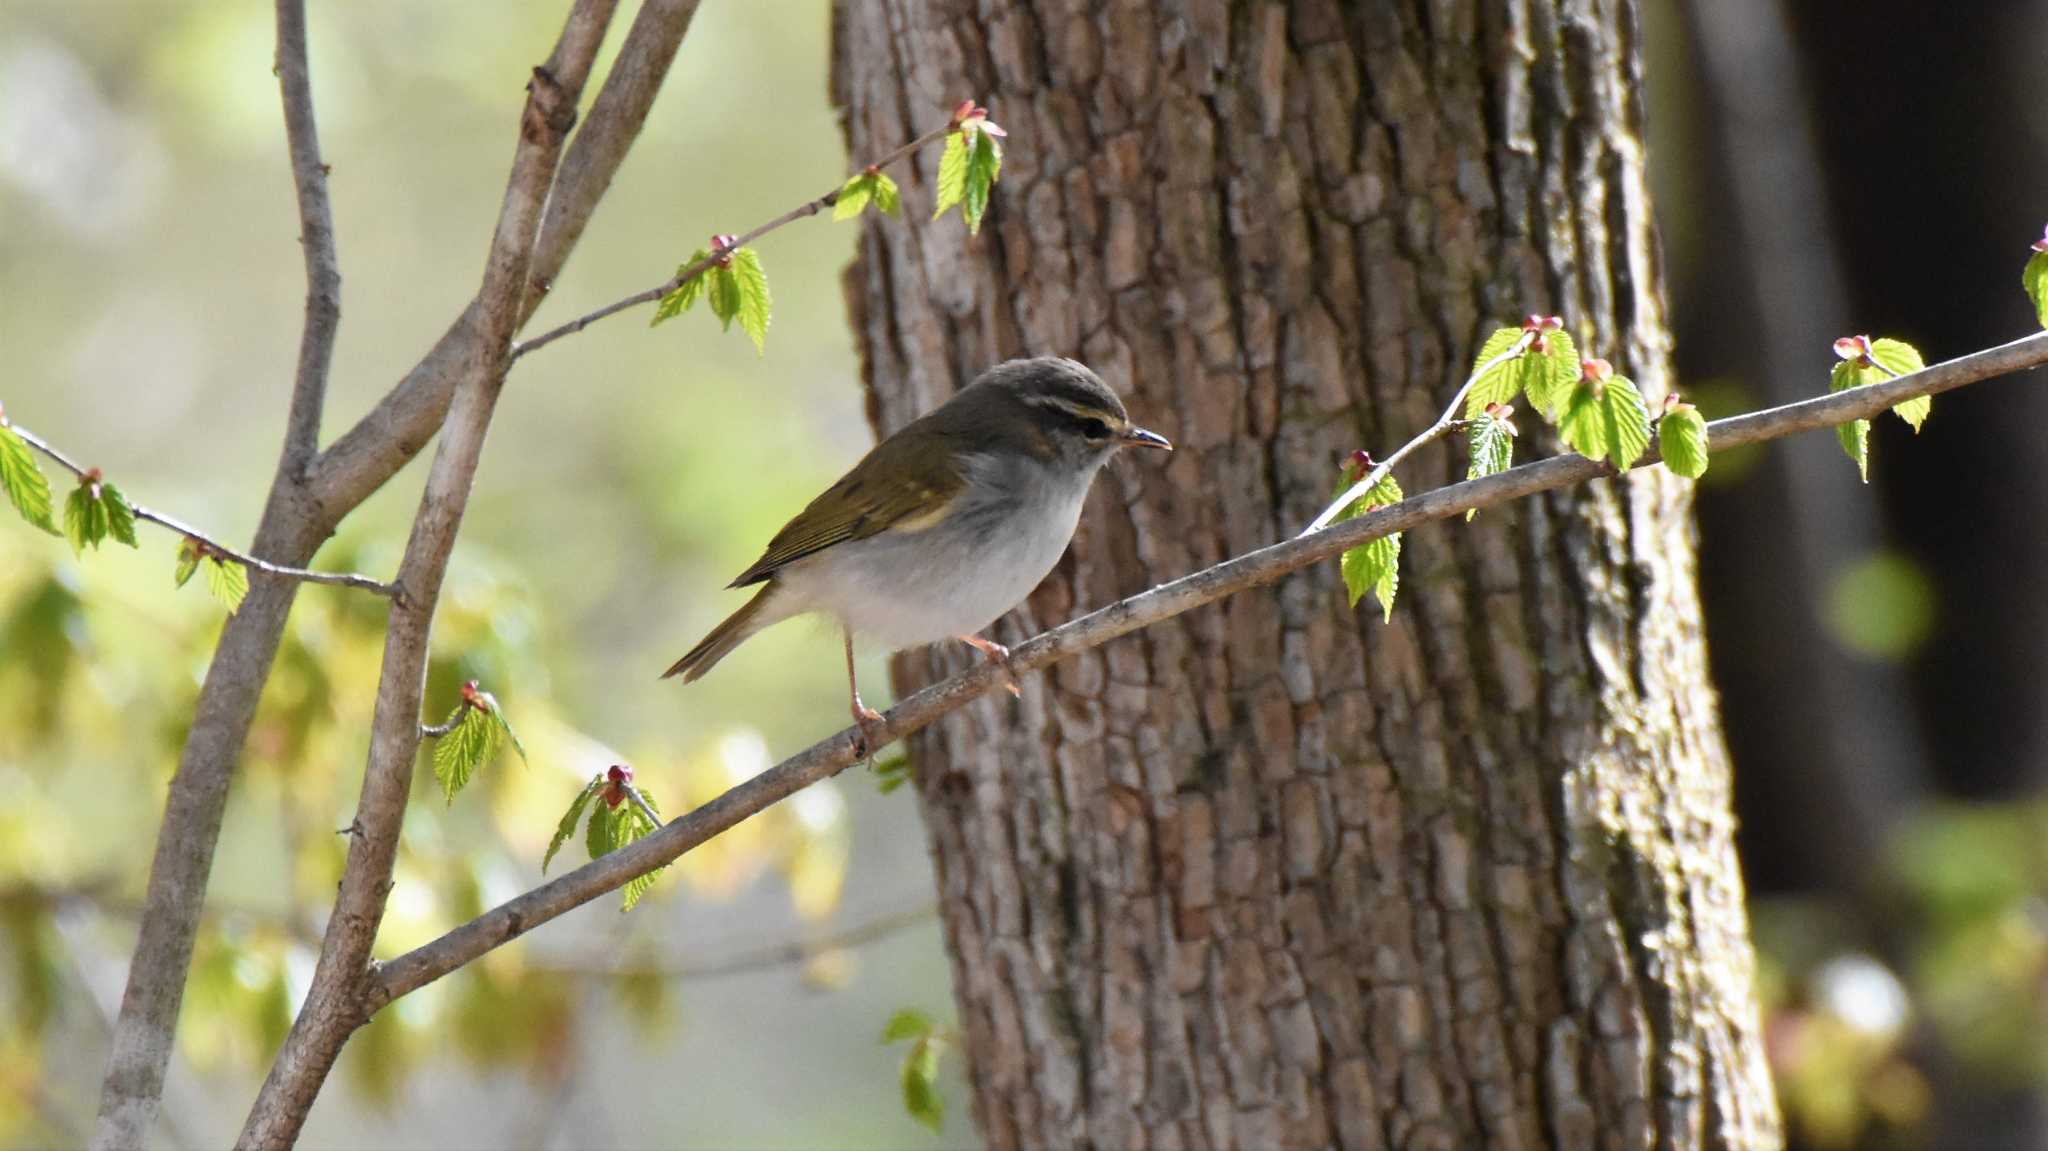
1278, 874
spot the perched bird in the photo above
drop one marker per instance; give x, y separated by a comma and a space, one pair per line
945, 525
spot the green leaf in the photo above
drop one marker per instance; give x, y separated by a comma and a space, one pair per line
920, 1085
1682, 438
1606, 420
1373, 566
1854, 436
601, 834
984, 163
633, 824
226, 582
1500, 383
752, 285
887, 198
27, 488
1899, 358
952, 185
1490, 448
1548, 390
854, 196
685, 294
188, 561
2035, 281
85, 519
505, 727
567, 827
723, 295
909, 1023
120, 514
891, 773
459, 754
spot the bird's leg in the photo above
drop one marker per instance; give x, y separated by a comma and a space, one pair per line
998, 655
864, 717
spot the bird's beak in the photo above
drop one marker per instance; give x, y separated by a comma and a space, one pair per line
1137, 437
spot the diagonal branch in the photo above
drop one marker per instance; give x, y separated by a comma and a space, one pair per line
510, 920
302, 575
692, 271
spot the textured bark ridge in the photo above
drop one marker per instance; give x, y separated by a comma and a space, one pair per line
1275, 874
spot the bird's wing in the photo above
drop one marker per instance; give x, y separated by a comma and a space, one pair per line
900, 485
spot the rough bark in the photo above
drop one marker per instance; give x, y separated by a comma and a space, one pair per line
1274, 873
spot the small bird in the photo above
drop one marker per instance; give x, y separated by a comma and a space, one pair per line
943, 526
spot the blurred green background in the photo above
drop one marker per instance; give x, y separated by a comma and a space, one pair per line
1822, 167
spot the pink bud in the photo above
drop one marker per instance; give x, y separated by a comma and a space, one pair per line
2041, 245
1540, 324
1853, 348
1597, 370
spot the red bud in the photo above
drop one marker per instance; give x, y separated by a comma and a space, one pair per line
1853, 348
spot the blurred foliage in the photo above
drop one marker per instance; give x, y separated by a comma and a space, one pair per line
1858, 1043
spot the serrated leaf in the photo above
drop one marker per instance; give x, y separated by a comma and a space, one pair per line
887, 197
952, 185
28, 489
686, 293
2035, 280
601, 834
634, 824
1548, 390
1607, 421
1373, 566
1854, 436
570, 818
226, 582
723, 295
753, 302
921, 1085
1682, 438
854, 196
909, 1023
85, 521
1500, 383
188, 561
120, 514
505, 727
459, 754
984, 164
1900, 358
1490, 449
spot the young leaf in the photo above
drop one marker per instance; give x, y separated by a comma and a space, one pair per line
1490, 445
189, 555
921, 1084
1373, 566
27, 488
2035, 281
1682, 438
1548, 389
1854, 436
601, 834
723, 295
1605, 418
984, 163
752, 285
633, 824
854, 196
677, 302
1899, 358
226, 582
1499, 383
887, 198
909, 1023
952, 185
567, 827
891, 773
120, 515
505, 727
458, 754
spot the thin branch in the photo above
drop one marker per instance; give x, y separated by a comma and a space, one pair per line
692, 271
640, 801
1444, 425
438, 730
751, 960
336, 579
510, 920
316, 235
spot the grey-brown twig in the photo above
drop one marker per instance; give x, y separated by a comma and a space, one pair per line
508, 921
336, 579
692, 271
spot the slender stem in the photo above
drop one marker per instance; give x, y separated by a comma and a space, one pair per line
640, 801
438, 730
316, 236
336, 579
510, 920
698, 268
1444, 425
751, 960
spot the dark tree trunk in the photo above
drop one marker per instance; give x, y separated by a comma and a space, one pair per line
1276, 874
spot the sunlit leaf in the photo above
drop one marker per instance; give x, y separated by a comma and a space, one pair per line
887, 197
909, 1023
1495, 383
952, 183
686, 293
634, 825
1854, 436
1899, 358
921, 1084
226, 581
27, 488
189, 554
752, 306
1605, 419
567, 827
2035, 281
1548, 390
1682, 438
458, 754
984, 163
854, 196
1373, 566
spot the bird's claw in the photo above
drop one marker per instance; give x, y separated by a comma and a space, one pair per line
865, 720
998, 655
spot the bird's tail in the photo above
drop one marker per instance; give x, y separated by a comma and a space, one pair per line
725, 637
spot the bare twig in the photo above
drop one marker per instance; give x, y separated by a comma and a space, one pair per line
640, 801
437, 730
333, 1006
510, 920
316, 235
692, 271
1444, 425
747, 961
336, 579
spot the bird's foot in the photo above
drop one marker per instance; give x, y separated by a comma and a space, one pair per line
866, 719
998, 655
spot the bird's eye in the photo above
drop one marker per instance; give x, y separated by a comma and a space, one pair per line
1094, 429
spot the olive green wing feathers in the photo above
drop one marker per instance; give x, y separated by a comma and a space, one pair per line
905, 485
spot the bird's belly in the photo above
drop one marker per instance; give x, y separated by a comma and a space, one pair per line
905, 589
